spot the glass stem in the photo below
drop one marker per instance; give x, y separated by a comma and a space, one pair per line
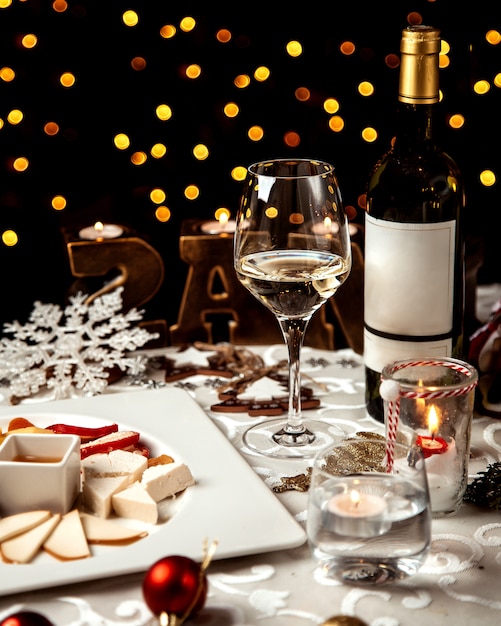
293, 332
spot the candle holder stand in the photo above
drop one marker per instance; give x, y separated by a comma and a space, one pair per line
101, 266
429, 403
213, 294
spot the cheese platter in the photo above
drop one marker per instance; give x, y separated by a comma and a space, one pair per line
228, 503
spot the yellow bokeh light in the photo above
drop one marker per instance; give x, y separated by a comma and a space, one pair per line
158, 150
444, 47
58, 203
443, 61
493, 37
21, 164
157, 195
262, 73
331, 105
201, 152
7, 74
29, 41
193, 71
121, 141
239, 173
365, 88
10, 238
336, 123
130, 18
456, 120
138, 158
241, 81
294, 48
5, 3
487, 178
187, 24
51, 128
168, 31
67, 79
164, 112
15, 117
231, 109
191, 192
162, 213
223, 35
271, 212
481, 87
369, 134
302, 94
255, 133
497, 80
1, 123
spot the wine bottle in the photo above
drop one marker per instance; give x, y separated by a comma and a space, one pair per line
414, 249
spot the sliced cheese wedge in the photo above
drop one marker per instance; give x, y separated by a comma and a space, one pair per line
68, 540
115, 463
135, 503
99, 530
18, 523
23, 548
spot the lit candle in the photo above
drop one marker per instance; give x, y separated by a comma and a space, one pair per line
441, 469
220, 226
355, 513
327, 227
101, 231
432, 445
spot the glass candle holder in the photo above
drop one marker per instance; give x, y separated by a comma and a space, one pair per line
369, 523
429, 403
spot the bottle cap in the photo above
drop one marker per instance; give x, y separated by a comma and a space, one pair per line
419, 80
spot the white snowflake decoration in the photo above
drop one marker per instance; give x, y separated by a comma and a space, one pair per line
72, 349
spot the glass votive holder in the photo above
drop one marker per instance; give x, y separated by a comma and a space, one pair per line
369, 517
429, 403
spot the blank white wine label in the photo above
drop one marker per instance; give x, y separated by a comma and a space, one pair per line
409, 289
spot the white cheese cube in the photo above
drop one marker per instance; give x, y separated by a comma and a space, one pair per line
135, 503
162, 481
97, 492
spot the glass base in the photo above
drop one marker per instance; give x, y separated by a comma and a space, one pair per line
270, 439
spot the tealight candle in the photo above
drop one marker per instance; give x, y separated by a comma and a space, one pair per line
100, 231
327, 227
218, 227
355, 513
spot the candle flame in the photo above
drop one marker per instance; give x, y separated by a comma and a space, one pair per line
355, 498
99, 226
327, 223
223, 219
433, 421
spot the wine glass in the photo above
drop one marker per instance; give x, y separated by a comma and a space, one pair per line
292, 251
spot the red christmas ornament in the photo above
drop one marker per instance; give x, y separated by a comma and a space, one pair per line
26, 618
177, 586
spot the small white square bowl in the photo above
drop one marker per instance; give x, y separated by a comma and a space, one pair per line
39, 471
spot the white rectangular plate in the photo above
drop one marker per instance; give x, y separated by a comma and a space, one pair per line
229, 502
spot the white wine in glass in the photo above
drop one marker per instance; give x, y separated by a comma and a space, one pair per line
292, 252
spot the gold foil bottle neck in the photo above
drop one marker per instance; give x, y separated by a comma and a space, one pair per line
419, 65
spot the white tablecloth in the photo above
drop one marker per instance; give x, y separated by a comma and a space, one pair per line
458, 583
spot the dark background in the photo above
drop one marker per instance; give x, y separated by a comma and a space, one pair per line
99, 182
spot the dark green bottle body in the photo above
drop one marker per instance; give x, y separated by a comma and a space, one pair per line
414, 278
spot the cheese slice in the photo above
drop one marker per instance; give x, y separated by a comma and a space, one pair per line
135, 503
162, 481
68, 540
99, 530
97, 492
115, 463
23, 548
21, 522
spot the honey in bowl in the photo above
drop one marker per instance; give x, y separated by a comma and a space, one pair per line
31, 458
